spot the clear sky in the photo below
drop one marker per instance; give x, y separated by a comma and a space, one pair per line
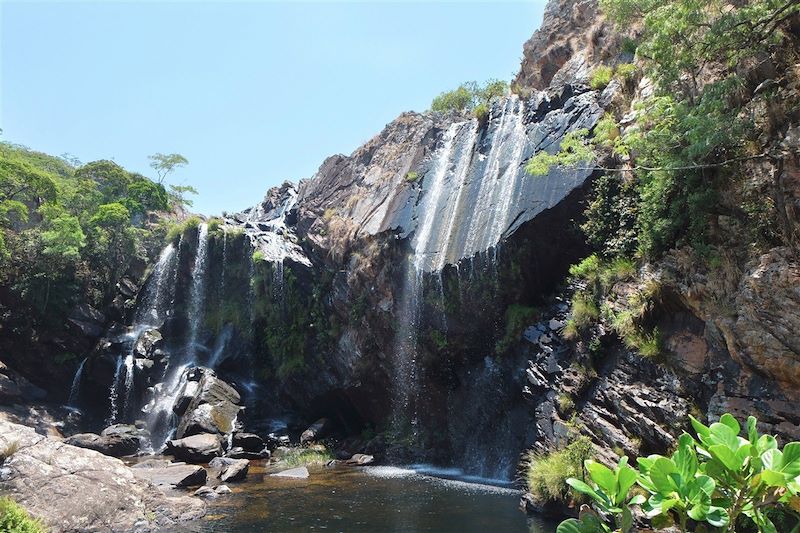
251, 93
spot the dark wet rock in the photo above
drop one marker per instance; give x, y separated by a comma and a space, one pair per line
171, 474
237, 452
199, 448
75, 489
294, 473
229, 469
115, 445
248, 441
127, 287
360, 459
206, 492
147, 343
213, 406
316, 431
87, 320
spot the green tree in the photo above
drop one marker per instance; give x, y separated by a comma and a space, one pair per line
165, 164
111, 179
178, 196
470, 97
145, 195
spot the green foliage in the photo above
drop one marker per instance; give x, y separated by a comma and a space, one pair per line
625, 71
412, 177
573, 150
15, 519
601, 77
718, 478
470, 97
517, 318
546, 474
67, 233
584, 311
165, 164
305, 457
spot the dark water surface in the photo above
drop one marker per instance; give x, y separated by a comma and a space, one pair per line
369, 499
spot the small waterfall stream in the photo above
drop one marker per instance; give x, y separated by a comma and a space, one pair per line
197, 296
150, 312
75, 389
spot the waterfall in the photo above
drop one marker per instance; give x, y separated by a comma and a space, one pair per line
151, 311
198, 292
75, 389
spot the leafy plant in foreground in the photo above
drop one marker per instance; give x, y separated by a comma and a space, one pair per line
718, 478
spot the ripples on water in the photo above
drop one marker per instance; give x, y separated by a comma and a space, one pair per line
368, 499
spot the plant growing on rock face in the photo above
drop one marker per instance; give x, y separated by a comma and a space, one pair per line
718, 478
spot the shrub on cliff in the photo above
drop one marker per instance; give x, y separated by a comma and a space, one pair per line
470, 97
546, 474
15, 519
716, 478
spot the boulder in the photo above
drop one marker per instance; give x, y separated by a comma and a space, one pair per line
212, 405
249, 442
206, 492
237, 452
171, 474
195, 448
147, 343
315, 431
228, 469
75, 489
360, 459
111, 445
222, 489
296, 473
124, 431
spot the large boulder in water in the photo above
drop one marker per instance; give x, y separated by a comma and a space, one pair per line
166, 473
228, 469
117, 445
195, 448
74, 489
147, 343
213, 407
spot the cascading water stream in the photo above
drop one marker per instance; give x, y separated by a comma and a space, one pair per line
198, 292
149, 313
75, 389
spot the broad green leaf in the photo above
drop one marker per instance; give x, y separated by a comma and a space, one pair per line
699, 428
773, 478
700, 511
638, 499
660, 475
752, 430
772, 459
582, 487
601, 475
626, 477
723, 434
626, 522
790, 463
685, 458
724, 454
658, 504
731, 422
766, 442
701, 485
717, 517
572, 525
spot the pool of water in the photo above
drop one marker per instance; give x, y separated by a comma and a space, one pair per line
368, 499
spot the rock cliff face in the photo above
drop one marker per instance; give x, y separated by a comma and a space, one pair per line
415, 290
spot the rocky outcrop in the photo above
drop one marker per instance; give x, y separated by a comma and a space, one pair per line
574, 38
199, 448
207, 405
74, 489
227, 469
167, 474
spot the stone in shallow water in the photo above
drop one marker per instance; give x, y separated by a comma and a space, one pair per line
206, 492
223, 489
172, 474
197, 448
360, 459
296, 473
228, 469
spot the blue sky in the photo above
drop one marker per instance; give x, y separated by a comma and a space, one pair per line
252, 93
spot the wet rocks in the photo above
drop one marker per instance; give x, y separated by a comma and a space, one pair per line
115, 445
360, 459
229, 469
316, 431
199, 448
75, 489
293, 473
171, 474
207, 405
